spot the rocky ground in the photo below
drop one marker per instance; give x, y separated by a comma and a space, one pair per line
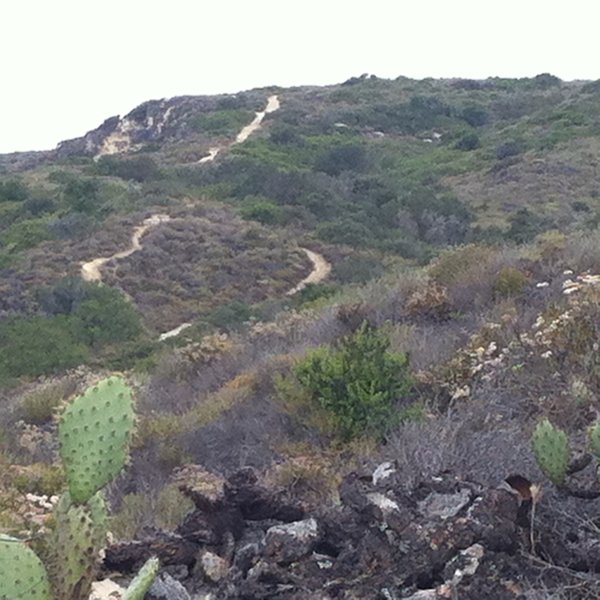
445, 538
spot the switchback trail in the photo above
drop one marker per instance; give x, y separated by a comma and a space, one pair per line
320, 271
91, 270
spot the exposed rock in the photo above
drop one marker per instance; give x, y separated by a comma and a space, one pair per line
258, 503
213, 566
382, 473
106, 589
169, 548
290, 542
444, 506
167, 588
446, 538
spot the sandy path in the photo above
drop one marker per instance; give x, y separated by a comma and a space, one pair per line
90, 271
212, 153
273, 104
320, 272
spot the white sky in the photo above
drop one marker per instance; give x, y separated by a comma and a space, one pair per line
69, 64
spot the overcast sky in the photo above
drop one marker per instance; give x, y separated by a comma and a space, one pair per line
69, 64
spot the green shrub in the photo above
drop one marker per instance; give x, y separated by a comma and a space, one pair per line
138, 168
474, 115
357, 380
13, 191
105, 317
510, 282
468, 142
26, 234
81, 195
230, 316
358, 269
262, 210
221, 122
38, 345
349, 157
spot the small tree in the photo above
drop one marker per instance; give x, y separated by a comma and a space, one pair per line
358, 380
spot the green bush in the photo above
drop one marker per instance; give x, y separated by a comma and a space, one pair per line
469, 141
138, 168
82, 195
25, 234
37, 345
262, 210
13, 191
349, 157
105, 317
221, 122
357, 380
230, 316
474, 115
510, 282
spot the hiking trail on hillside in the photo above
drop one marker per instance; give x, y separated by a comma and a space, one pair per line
273, 104
91, 270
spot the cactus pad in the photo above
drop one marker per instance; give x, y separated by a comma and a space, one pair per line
594, 436
74, 547
143, 580
551, 449
22, 575
94, 437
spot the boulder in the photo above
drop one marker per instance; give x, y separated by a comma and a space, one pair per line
292, 541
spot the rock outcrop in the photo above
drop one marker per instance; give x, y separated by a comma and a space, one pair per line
447, 538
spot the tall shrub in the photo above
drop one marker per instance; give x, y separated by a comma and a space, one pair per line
358, 380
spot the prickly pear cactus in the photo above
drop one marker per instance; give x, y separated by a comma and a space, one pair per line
22, 575
74, 548
99, 516
143, 580
594, 437
551, 449
94, 437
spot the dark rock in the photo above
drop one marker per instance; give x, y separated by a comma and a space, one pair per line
292, 541
167, 588
171, 549
446, 538
256, 502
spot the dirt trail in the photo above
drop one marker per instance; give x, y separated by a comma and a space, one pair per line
212, 153
320, 272
90, 271
273, 104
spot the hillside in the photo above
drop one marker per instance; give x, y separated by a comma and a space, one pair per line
302, 285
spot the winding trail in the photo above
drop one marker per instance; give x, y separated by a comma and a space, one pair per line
321, 270
91, 270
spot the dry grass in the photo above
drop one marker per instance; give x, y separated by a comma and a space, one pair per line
40, 405
164, 509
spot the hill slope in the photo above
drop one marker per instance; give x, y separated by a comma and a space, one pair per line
454, 224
